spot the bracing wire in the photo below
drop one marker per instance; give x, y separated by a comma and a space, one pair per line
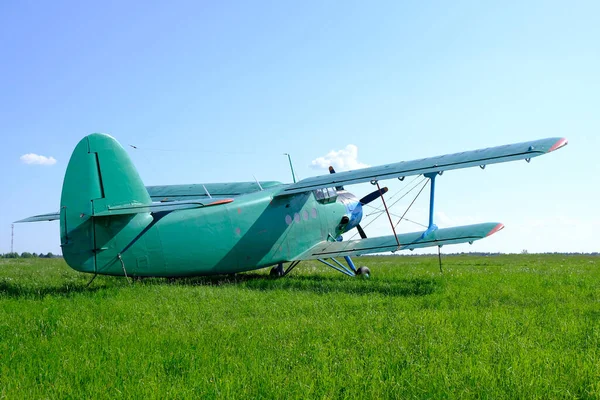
401, 218
404, 195
411, 204
378, 211
404, 187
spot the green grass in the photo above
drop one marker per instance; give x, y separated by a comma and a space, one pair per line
525, 326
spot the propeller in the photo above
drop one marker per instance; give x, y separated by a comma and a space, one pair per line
366, 200
373, 195
362, 233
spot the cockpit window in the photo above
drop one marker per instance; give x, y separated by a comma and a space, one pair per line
326, 195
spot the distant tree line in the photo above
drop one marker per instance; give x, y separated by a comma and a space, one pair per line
27, 254
486, 254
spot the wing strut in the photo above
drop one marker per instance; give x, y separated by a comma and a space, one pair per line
388, 213
431, 226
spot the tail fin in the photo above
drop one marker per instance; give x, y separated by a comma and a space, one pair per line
100, 175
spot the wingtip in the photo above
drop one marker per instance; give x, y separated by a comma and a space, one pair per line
497, 228
562, 142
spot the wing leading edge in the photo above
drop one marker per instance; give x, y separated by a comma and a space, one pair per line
408, 241
467, 159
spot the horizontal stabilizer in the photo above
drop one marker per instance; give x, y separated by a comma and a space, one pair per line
139, 208
408, 241
160, 207
467, 159
41, 217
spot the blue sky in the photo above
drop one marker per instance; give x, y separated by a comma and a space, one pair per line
214, 92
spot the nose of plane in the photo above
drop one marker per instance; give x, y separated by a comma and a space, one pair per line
354, 214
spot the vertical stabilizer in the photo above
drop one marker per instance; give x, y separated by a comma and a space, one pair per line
100, 174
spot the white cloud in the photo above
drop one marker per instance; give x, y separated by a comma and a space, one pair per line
342, 160
36, 159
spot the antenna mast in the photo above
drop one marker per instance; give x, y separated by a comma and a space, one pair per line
291, 166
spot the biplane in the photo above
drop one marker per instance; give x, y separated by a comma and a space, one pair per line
111, 224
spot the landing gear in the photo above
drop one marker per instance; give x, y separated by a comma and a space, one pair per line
277, 271
351, 271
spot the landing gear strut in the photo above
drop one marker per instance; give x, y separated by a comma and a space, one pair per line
277, 271
350, 271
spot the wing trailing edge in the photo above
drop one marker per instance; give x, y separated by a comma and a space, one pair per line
408, 241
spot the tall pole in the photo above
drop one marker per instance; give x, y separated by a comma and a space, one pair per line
12, 238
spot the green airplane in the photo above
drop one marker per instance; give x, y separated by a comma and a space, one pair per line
111, 224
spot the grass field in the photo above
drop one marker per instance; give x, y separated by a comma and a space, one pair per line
515, 326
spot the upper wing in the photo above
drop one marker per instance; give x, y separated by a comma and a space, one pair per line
199, 190
408, 241
491, 155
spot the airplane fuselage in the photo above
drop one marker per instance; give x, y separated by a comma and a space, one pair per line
254, 231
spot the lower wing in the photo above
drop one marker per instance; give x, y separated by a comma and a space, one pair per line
408, 241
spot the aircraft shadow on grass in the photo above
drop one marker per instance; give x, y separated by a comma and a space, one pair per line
253, 281
319, 284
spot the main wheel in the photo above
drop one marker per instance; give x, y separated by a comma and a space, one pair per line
276, 271
363, 271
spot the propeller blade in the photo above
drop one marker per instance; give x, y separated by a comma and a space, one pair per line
372, 196
361, 232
